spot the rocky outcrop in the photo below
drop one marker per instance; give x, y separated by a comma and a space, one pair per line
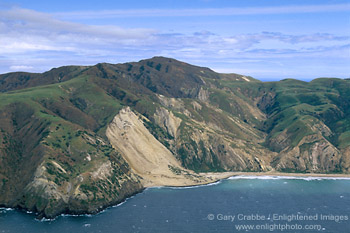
203, 95
345, 163
167, 121
88, 192
313, 154
201, 148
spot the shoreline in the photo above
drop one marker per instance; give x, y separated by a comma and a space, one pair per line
283, 174
217, 177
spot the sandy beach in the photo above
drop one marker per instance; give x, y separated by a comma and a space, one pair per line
212, 177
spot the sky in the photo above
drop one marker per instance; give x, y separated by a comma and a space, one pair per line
266, 39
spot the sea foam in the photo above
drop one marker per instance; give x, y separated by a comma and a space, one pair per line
267, 177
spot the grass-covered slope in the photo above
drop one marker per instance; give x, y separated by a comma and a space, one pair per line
55, 156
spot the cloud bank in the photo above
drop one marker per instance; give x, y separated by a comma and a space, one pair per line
36, 41
205, 11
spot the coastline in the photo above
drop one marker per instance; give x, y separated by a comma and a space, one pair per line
283, 174
217, 177
213, 178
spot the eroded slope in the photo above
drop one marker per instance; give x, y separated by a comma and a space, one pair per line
147, 157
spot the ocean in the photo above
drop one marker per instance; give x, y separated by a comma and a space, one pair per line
237, 204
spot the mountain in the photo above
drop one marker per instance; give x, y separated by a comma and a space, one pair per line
76, 139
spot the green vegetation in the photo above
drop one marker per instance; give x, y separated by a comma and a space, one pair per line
55, 123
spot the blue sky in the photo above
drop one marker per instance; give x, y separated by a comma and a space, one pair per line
267, 39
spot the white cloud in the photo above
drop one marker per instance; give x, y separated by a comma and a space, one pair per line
195, 12
41, 41
21, 19
27, 30
20, 68
277, 44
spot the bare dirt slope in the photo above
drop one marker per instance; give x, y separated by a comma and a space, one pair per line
147, 157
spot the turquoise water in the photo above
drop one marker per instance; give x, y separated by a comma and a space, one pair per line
259, 204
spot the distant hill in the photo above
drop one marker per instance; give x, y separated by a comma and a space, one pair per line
78, 138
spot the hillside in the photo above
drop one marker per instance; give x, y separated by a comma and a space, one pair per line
77, 139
